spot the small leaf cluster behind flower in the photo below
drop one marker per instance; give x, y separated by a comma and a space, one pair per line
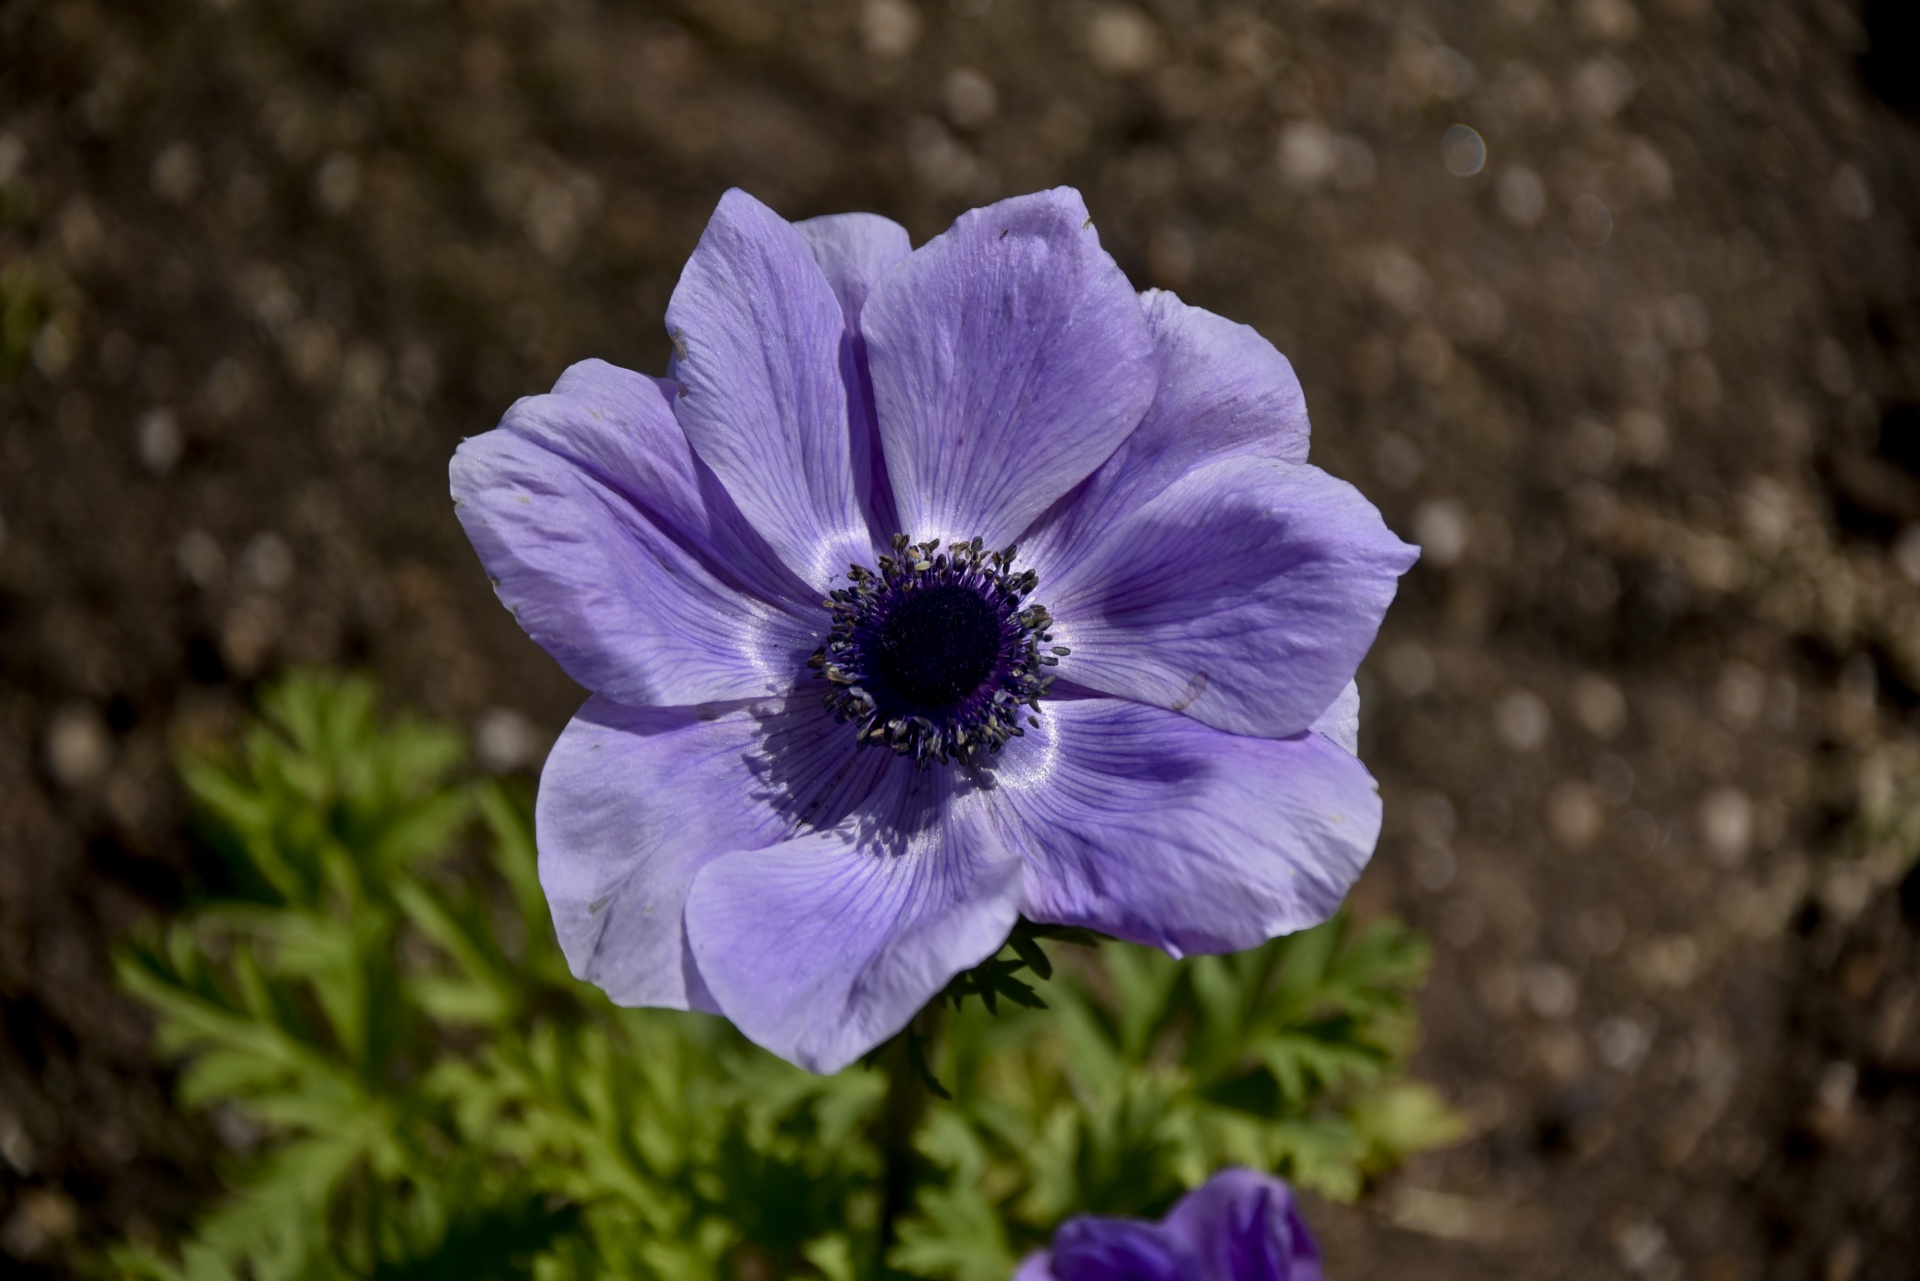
371, 1002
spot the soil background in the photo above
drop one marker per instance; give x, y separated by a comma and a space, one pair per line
1636, 361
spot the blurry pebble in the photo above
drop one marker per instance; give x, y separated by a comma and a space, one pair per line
1906, 553
238, 1129
1353, 163
229, 387
1726, 825
3, 533
1410, 668
1642, 833
889, 28
419, 371
1644, 435
1613, 780
1461, 921
337, 183
16, 1148
1170, 257
970, 98
1671, 961
1441, 529
199, 556
1372, 366
1741, 694
1614, 21
1641, 1244
1766, 515
78, 750
1833, 1094
42, 1217
1574, 813
1476, 314
1522, 721
267, 562
1622, 1043
939, 160
1833, 367
1521, 195
1590, 221
1433, 867
1551, 991
1427, 354
505, 741
176, 172
1499, 989
1398, 279
248, 633
1602, 930
1122, 41
1463, 151
13, 157
1602, 86
1305, 153
1396, 460
158, 441
1850, 193
1433, 817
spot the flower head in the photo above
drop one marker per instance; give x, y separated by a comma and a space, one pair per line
1240, 1226
930, 587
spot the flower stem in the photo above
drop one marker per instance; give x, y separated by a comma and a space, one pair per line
900, 1116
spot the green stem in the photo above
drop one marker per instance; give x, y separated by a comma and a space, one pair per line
900, 1116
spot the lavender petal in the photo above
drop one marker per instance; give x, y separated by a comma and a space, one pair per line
1244, 595
1155, 828
758, 337
1009, 358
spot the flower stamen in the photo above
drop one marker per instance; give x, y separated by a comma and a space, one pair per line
935, 655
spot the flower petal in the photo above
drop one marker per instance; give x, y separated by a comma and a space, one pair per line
1224, 392
1246, 1226
758, 338
1245, 595
1341, 721
1094, 1249
1037, 1266
635, 801
1152, 827
854, 251
1009, 358
618, 427
624, 605
825, 945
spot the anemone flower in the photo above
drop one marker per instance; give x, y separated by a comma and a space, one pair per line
1241, 1226
930, 587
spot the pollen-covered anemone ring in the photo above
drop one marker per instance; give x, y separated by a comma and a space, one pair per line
935, 656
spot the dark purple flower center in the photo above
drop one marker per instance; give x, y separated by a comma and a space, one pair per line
938, 644
935, 655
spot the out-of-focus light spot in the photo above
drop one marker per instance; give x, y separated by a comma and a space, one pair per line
1122, 41
1521, 195
1592, 221
1851, 195
1463, 151
1522, 721
1441, 527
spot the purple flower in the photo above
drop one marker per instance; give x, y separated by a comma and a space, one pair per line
1241, 1226
842, 733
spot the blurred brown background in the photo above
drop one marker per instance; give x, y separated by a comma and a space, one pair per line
1637, 361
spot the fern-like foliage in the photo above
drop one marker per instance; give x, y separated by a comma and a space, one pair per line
373, 985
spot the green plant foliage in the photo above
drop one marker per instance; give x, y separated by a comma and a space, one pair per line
374, 986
